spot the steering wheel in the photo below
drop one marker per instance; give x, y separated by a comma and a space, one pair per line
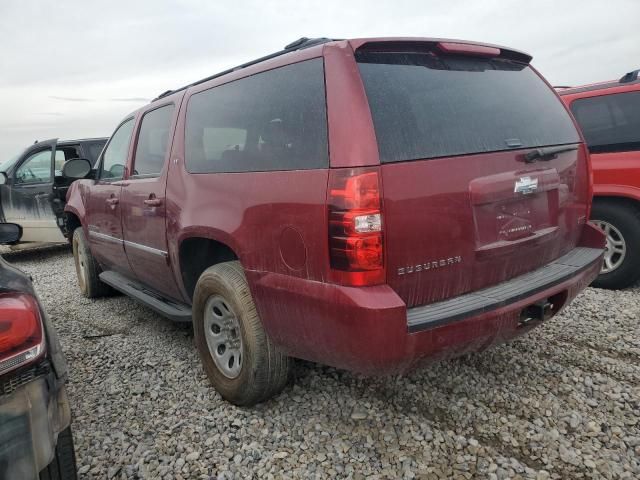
25, 175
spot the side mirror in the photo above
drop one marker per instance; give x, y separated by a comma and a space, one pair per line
3, 178
76, 168
10, 233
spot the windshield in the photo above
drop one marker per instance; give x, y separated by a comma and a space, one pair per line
425, 106
6, 165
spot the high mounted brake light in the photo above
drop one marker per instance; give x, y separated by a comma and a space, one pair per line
468, 49
355, 226
21, 337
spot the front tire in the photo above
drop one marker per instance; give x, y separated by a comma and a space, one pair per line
238, 357
621, 224
63, 465
87, 269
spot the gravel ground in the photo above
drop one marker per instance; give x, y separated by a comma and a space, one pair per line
562, 402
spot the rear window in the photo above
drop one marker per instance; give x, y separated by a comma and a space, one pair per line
425, 106
610, 123
274, 120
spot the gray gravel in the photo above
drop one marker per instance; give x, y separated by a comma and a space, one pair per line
562, 402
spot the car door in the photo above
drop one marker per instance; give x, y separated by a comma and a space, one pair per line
103, 213
26, 199
143, 201
89, 149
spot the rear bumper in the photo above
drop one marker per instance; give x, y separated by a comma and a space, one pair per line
475, 303
31, 417
369, 330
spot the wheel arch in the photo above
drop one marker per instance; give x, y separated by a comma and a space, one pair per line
76, 199
71, 222
622, 256
197, 253
622, 200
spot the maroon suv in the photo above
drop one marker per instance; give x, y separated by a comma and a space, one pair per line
362, 203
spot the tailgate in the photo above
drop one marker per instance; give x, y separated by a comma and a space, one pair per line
484, 175
479, 227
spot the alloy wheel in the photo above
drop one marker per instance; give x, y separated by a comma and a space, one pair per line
616, 248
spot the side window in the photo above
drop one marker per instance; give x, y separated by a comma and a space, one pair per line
64, 154
218, 140
92, 150
114, 157
610, 123
153, 141
275, 120
59, 162
35, 169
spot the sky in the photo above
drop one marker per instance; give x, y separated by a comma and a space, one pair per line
73, 68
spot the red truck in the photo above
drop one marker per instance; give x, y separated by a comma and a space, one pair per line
609, 115
367, 204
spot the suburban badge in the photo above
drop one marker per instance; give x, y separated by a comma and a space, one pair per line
432, 265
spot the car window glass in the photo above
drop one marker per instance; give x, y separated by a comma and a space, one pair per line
64, 154
4, 166
275, 120
153, 141
59, 160
92, 150
36, 169
610, 123
217, 140
115, 155
427, 106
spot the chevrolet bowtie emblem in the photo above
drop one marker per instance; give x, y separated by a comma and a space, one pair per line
526, 185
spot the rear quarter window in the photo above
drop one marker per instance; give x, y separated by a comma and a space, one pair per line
424, 106
275, 120
610, 123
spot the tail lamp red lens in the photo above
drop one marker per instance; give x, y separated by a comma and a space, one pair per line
355, 226
21, 336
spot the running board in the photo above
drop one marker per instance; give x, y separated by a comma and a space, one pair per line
178, 312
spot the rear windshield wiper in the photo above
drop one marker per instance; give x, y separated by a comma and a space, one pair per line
548, 153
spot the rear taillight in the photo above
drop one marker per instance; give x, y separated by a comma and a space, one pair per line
355, 226
21, 338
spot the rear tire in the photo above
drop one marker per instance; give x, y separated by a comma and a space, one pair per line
621, 222
87, 269
63, 465
243, 366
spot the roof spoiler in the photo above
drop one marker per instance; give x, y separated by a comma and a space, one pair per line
446, 47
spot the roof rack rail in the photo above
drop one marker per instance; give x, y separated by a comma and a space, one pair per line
630, 77
561, 86
299, 44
